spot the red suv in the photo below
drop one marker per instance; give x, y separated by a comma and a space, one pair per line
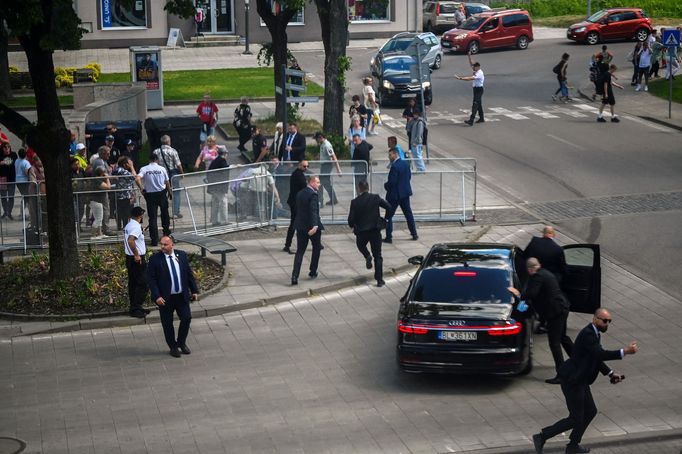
490, 29
610, 24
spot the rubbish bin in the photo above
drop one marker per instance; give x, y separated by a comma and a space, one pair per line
183, 132
125, 130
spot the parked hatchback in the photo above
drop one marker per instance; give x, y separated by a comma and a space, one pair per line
404, 43
489, 30
612, 24
439, 15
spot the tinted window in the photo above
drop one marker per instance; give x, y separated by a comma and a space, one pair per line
397, 44
628, 16
441, 285
447, 8
514, 20
473, 23
491, 25
596, 17
398, 64
614, 18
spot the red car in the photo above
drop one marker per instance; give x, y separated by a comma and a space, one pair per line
612, 24
490, 29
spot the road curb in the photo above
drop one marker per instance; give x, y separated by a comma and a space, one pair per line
601, 442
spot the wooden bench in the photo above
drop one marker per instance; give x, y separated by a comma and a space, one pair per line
212, 245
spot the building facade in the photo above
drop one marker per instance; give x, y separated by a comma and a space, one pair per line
110, 24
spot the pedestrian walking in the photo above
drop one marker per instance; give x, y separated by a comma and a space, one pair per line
560, 70
207, 111
645, 57
417, 140
398, 193
153, 181
297, 183
169, 158
633, 57
370, 104
242, 122
172, 285
293, 147
576, 375
327, 159
308, 228
136, 263
477, 82
546, 298
358, 109
607, 95
365, 220
392, 142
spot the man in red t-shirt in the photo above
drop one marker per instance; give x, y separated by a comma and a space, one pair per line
208, 114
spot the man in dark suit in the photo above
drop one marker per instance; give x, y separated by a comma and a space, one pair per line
308, 227
297, 183
172, 286
398, 192
551, 257
293, 147
577, 374
366, 223
546, 298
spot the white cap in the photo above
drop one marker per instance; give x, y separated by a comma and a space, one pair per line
80, 146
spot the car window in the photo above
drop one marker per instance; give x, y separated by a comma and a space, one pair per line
629, 15
514, 20
473, 23
596, 17
448, 8
463, 285
398, 64
491, 25
397, 44
429, 7
614, 18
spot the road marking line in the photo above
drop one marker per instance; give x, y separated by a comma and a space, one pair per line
564, 141
648, 123
538, 112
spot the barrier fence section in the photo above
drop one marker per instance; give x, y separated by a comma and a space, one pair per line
238, 198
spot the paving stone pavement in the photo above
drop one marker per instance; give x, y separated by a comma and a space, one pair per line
317, 375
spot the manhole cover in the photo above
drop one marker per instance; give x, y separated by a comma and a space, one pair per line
11, 445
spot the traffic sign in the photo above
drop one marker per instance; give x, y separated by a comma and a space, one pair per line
295, 87
302, 99
671, 38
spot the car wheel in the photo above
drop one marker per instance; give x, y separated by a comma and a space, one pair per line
437, 62
529, 366
592, 38
642, 34
428, 97
473, 47
522, 42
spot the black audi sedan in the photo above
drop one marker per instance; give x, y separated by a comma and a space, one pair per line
458, 315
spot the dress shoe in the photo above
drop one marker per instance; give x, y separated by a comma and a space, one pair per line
415, 237
538, 442
175, 352
388, 240
287, 249
137, 314
541, 329
368, 262
480, 120
146, 311
381, 283
469, 122
312, 275
185, 349
576, 449
553, 381
294, 281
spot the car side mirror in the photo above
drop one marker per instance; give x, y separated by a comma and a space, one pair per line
416, 260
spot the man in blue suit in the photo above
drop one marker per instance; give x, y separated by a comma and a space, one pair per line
172, 286
398, 192
308, 227
577, 374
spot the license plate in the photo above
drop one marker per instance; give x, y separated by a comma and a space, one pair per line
458, 335
408, 95
445, 44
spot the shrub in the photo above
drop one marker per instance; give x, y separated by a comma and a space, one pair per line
549, 8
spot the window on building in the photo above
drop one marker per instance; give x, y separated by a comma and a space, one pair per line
368, 10
115, 15
298, 19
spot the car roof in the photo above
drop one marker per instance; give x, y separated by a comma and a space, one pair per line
443, 254
624, 8
493, 13
403, 35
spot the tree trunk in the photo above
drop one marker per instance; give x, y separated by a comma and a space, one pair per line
50, 139
334, 24
5, 87
279, 57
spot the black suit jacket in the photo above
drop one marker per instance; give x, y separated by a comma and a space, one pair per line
587, 358
297, 183
398, 185
364, 212
549, 254
159, 276
307, 210
545, 295
297, 148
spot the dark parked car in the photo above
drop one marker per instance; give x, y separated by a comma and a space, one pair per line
611, 24
398, 79
458, 316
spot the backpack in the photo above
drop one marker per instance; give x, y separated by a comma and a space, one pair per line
557, 69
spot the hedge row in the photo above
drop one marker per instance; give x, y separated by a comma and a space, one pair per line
549, 8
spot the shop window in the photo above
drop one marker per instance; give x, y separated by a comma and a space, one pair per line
368, 10
115, 15
298, 19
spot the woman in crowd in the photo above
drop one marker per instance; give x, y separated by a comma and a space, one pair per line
208, 153
98, 197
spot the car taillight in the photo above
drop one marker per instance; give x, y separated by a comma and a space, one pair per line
505, 330
411, 329
437, 9
465, 273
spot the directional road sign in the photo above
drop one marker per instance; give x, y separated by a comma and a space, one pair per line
302, 99
671, 38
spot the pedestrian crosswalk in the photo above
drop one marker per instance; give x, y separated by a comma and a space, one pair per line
493, 114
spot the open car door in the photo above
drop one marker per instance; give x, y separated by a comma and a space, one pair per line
582, 282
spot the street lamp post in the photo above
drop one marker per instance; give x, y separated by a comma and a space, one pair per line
246, 28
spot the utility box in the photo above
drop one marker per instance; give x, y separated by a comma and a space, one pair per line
146, 66
184, 134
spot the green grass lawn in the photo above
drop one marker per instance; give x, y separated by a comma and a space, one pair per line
660, 88
221, 83
29, 101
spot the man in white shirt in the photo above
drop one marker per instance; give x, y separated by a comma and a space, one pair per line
477, 79
170, 160
136, 264
156, 190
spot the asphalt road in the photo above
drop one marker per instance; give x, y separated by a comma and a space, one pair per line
532, 150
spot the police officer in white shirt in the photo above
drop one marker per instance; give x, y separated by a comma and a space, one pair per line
156, 191
477, 82
136, 264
